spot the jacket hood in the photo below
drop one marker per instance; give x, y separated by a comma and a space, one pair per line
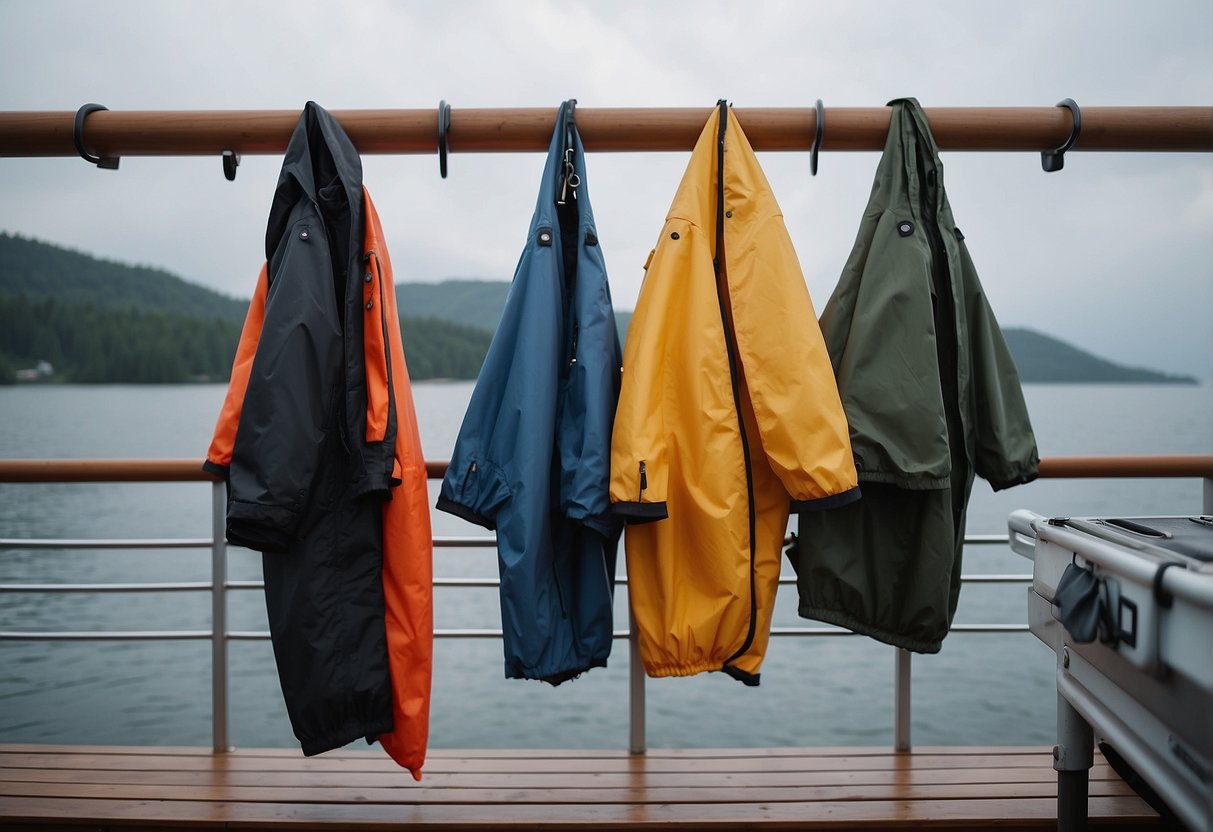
564, 136
320, 163
747, 193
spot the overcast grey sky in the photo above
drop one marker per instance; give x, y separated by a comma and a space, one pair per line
1114, 253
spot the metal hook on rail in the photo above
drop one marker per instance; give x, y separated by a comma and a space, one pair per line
1055, 160
568, 176
444, 126
231, 160
820, 131
106, 162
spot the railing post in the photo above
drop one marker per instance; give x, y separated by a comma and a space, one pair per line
901, 695
219, 618
1208, 502
636, 740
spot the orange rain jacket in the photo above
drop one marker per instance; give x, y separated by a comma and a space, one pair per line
728, 417
347, 544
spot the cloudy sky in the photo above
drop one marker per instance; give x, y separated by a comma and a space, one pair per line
1114, 253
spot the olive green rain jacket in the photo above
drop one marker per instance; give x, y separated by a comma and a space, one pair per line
728, 415
932, 397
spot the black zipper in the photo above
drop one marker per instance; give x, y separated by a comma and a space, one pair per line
644, 483
945, 303
730, 344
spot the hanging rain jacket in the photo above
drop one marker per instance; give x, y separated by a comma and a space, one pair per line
318, 441
533, 453
728, 416
932, 397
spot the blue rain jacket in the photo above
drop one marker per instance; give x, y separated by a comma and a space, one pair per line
533, 456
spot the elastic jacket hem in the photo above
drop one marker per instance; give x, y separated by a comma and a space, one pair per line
659, 671
347, 734
633, 513
855, 625
553, 678
842, 498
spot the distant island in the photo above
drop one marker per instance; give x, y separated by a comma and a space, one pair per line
68, 317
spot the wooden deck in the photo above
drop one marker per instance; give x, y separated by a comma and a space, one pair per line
112, 787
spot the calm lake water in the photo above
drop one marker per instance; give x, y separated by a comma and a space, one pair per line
981, 689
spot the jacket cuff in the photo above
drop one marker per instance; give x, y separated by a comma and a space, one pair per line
460, 510
607, 525
633, 513
260, 527
216, 469
842, 498
1019, 478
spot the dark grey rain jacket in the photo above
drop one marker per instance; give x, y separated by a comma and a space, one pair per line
932, 397
306, 486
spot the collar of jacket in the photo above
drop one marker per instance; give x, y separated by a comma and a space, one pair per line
911, 163
564, 134
318, 145
747, 193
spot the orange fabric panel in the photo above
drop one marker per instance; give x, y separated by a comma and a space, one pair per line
220, 451
375, 358
408, 576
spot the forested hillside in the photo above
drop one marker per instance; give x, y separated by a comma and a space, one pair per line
1041, 358
98, 321
474, 303
38, 270
89, 344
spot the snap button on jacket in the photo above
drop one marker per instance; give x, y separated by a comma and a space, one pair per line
318, 440
932, 397
533, 453
727, 417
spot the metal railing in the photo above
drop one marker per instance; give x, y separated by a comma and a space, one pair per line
43, 471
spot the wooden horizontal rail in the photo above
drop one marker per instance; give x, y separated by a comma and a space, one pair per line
203, 132
1069, 467
190, 470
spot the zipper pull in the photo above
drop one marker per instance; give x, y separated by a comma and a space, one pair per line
644, 480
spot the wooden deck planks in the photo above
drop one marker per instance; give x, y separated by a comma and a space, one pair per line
499, 789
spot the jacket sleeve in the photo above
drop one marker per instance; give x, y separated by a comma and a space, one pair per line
219, 455
289, 411
589, 398
1005, 453
788, 372
639, 447
510, 420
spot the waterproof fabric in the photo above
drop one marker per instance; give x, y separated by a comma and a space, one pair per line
532, 457
727, 416
318, 440
932, 397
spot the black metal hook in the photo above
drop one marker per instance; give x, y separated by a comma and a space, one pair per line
821, 128
570, 122
107, 162
568, 177
444, 126
1055, 160
231, 160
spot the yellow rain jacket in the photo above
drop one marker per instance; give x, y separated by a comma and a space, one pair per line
728, 417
